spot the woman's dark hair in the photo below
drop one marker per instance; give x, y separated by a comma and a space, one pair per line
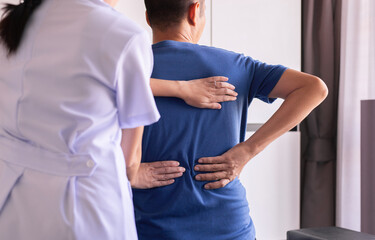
165, 13
14, 22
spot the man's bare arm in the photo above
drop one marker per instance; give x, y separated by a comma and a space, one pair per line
302, 93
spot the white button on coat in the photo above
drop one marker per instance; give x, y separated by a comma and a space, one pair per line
80, 75
90, 164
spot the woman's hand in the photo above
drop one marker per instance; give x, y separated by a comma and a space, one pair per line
223, 169
207, 92
156, 174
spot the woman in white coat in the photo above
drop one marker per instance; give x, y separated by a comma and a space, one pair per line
73, 73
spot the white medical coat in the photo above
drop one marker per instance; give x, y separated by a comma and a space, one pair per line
80, 75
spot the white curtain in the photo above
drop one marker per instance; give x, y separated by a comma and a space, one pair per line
357, 82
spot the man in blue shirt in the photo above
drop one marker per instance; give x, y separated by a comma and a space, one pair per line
203, 198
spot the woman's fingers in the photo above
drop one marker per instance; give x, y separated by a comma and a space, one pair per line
208, 92
219, 82
164, 174
224, 85
215, 79
211, 105
225, 91
224, 98
160, 164
165, 170
157, 174
167, 176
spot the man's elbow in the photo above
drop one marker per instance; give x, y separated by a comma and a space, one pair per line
320, 88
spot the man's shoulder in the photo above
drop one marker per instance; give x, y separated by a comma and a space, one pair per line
225, 57
218, 51
192, 46
197, 49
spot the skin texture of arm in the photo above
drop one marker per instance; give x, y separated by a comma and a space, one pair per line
200, 93
131, 144
302, 93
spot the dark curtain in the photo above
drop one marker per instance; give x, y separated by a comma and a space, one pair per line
367, 166
320, 57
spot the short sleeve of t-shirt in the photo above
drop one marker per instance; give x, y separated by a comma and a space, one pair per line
264, 79
135, 102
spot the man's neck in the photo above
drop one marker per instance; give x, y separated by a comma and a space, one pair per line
178, 35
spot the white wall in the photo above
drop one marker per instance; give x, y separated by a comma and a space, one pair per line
272, 185
134, 9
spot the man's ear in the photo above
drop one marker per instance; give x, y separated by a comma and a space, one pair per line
193, 13
147, 19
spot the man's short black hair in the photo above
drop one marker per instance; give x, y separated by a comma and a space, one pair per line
163, 14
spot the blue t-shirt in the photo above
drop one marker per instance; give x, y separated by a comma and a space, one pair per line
185, 210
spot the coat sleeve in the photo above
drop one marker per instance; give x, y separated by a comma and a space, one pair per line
134, 99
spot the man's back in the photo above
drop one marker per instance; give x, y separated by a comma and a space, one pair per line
185, 210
